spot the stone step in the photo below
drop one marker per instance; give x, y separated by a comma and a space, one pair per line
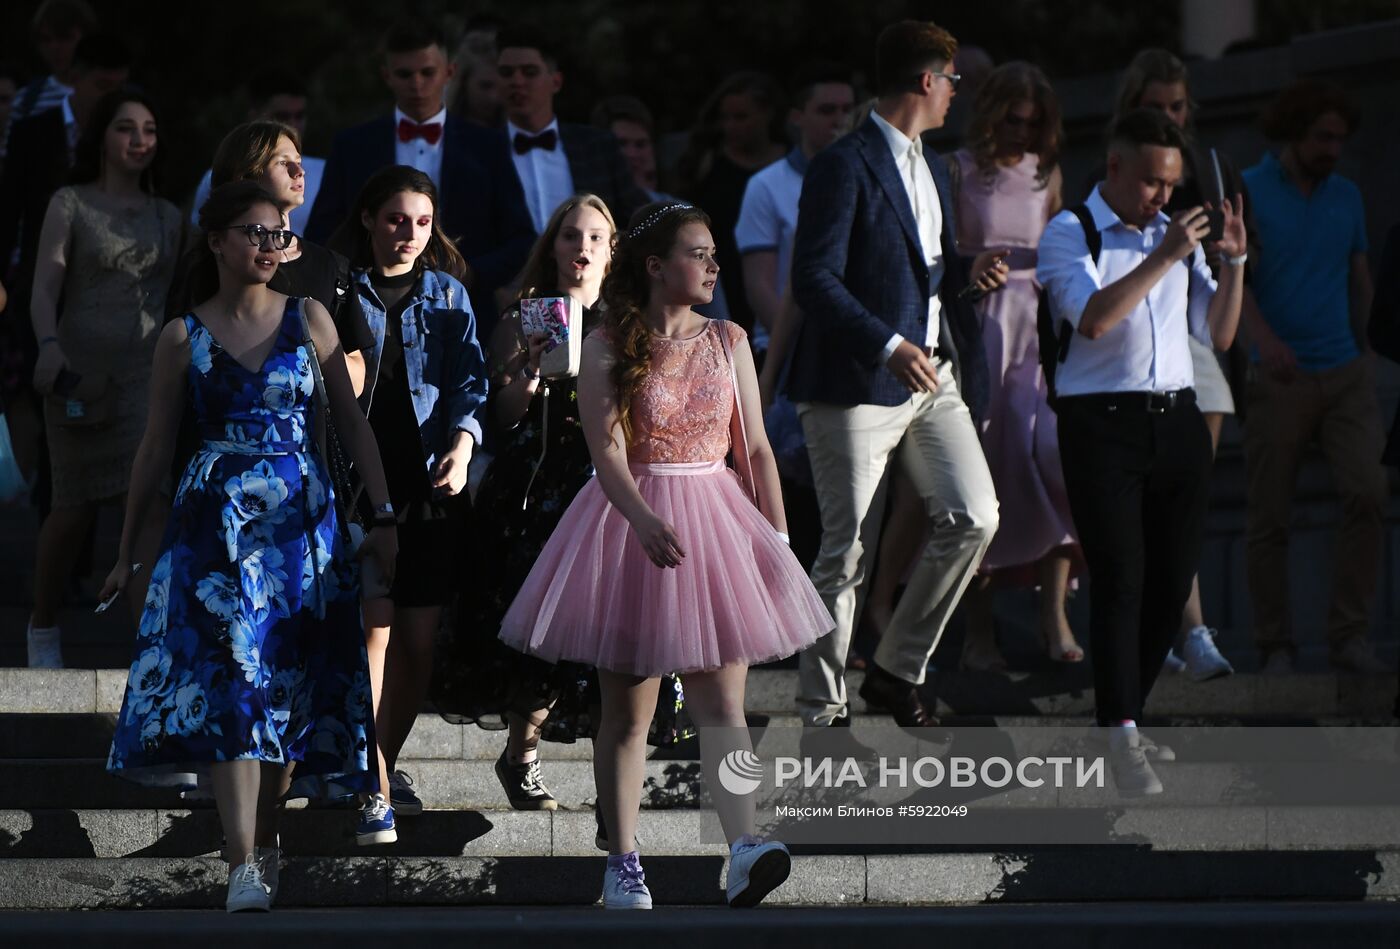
1023, 876
1057, 692
472, 785
137, 833
89, 735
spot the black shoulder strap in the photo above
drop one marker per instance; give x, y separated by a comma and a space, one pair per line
1092, 237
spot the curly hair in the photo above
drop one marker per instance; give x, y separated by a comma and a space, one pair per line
1008, 84
1293, 112
627, 288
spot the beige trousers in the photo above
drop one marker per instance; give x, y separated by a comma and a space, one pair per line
933, 439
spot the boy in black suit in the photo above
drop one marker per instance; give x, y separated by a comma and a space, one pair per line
555, 160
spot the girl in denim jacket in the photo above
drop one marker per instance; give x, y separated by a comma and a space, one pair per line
425, 386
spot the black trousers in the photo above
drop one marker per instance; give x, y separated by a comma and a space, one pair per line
1137, 477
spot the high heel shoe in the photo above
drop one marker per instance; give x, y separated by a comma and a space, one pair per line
1059, 653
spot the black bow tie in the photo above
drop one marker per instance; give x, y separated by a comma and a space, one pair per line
547, 140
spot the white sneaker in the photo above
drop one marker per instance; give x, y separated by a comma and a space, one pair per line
270, 865
756, 868
246, 890
45, 652
1203, 660
1173, 663
1131, 771
625, 887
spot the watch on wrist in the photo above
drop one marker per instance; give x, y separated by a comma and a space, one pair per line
1237, 261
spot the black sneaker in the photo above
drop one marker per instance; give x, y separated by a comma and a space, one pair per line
401, 796
524, 785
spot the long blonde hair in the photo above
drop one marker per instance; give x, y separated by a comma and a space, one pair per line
541, 274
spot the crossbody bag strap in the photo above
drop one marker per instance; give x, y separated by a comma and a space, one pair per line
741, 458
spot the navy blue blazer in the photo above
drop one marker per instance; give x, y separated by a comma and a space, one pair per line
481, 204
859, 276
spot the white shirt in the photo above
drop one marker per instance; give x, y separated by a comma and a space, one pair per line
544, 174
928, 217
768, 222
418, 153
312, 170
1147, 351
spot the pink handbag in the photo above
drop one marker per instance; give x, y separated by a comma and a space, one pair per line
741, 457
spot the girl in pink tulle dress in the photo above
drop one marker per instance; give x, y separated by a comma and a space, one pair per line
670, 561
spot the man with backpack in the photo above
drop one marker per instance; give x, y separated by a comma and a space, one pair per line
1131, 284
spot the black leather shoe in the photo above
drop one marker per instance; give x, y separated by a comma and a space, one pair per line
901, 699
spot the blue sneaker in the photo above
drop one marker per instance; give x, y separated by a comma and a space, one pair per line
376, 823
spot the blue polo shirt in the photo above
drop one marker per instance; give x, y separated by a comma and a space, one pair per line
1302, 262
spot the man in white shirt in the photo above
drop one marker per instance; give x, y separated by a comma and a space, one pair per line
823, 101
1135, 450
554, 160
888, 348
280, 96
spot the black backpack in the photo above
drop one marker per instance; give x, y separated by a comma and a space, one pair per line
1054, 347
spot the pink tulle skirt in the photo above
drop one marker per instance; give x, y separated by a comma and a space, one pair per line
595, 597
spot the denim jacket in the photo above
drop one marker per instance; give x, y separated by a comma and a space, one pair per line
446, 371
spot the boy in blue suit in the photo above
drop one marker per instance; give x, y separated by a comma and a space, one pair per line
482, 205
888, 361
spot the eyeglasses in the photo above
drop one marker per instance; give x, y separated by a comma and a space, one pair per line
952, 77
259, 236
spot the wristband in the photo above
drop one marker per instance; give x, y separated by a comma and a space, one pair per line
48, 339
784, 538
1237, 261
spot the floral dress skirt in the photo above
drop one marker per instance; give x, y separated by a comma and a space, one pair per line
250, 646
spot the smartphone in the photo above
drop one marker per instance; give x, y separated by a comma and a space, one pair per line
102, 607
66, 383
1215, 216
1216, 219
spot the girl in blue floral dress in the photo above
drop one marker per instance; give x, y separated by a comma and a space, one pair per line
250, 672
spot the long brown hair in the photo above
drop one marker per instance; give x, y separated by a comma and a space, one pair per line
541, 273
1004, 87
627, 288
352, 240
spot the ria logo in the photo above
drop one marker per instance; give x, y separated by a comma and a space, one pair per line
740, 772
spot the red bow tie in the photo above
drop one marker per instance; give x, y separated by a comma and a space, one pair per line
429, 132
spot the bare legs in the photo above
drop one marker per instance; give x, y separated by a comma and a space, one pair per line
524, 736
400, 669
900, 544
248, 794
715, 701
619, 752
1052, 576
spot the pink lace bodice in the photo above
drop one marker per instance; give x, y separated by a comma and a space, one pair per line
681, 412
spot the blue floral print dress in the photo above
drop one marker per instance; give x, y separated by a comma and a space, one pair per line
250, 646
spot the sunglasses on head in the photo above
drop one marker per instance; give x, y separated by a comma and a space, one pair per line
260, 237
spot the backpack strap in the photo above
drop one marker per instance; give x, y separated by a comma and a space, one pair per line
1092, 237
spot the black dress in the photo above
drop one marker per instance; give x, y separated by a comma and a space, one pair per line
539, 466
430, 527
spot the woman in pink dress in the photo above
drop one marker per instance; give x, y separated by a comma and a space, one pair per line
1007, 186
669, 561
